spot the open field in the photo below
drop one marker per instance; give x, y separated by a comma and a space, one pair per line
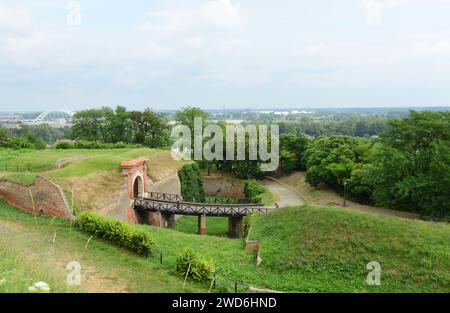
304, 249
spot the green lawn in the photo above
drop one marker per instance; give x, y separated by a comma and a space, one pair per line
94, 180
35, 162
215, 226
327, 249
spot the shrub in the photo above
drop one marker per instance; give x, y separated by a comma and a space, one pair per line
188, 263
64, 145
117, 232
253, 189
191, 183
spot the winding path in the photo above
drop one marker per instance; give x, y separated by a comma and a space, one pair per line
285, 195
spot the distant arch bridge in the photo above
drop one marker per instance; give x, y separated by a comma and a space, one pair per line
52, 115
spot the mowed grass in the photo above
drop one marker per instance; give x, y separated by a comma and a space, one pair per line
39, 161
215, 226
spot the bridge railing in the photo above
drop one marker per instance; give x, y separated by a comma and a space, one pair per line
164, 196
245, 201
187, 208
209, 200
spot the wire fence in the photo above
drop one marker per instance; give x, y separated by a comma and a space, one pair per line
16, 168
219, 281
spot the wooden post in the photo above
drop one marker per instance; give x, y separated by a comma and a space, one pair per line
202, 224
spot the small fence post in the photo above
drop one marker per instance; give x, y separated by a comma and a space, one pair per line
214, 281
161, 257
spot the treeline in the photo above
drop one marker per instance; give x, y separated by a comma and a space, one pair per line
106, 125
24, 140
408, 168
353, 125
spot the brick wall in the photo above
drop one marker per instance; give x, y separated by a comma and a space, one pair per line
17, 195
42, 197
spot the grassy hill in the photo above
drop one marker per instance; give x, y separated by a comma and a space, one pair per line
327, 249
38, 249
95, 180
304, 249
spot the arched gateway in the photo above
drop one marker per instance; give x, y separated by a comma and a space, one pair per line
137, 186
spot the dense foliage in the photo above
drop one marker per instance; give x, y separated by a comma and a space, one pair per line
26, 140
82, 144
120, 233
191, 183
352, 125
111, 126
253, 189
190, 265
44, 132
407, 169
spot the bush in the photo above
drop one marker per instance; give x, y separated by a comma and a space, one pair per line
253, 189
191, 183
188, 263
117, 232
64, 145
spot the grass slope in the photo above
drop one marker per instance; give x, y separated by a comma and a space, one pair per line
38, 249
304, 249
96, 180
328, 249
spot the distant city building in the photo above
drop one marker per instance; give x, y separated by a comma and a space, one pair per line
10, 121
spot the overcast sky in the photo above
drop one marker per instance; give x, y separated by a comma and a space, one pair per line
223, 53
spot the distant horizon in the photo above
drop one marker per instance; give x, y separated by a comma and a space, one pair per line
281, 109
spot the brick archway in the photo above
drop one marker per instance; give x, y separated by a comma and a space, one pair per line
138, 187
135, 172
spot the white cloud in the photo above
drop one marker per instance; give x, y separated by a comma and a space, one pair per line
215, 14
374, 9
441, 47
222, 13
17, 20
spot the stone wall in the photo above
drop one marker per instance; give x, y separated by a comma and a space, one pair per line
42, 197
227, 187
170, 184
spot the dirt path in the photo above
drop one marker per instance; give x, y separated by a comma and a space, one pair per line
326, 197
286, 195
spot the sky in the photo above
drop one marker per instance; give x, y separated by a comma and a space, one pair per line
223, 54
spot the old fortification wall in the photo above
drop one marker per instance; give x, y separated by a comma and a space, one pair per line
170, 184
227, 187
42, 197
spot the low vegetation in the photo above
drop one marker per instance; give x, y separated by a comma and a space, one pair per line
191, 265
304, 249
117, 232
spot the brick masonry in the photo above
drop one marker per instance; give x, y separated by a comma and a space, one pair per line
42, 197
133, 169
